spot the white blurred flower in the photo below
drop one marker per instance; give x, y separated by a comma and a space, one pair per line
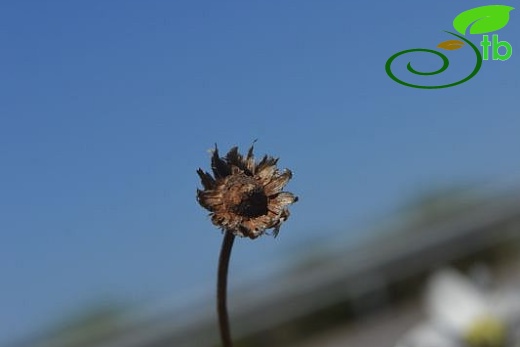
462, 314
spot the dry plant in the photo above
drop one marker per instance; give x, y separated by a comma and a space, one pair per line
245, 198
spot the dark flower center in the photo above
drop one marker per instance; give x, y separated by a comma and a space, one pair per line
245, 196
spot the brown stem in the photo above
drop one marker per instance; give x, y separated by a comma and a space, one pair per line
223, 265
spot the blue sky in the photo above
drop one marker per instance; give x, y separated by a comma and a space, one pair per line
108, 108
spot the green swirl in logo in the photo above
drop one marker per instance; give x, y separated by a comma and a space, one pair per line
445, 64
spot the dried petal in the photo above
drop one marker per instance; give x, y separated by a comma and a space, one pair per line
250, 160
285, 198
207, 181
219, 166
266, 163
277, 183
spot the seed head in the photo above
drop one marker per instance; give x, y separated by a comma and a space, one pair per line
245, 197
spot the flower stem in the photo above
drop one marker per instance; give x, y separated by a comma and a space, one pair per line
223, 265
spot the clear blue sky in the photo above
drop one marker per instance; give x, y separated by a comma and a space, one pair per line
108, 108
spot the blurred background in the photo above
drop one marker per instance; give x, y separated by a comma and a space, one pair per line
108, 108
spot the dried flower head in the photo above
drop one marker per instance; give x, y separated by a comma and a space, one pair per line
245, 197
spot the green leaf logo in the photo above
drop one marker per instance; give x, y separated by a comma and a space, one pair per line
482, 19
